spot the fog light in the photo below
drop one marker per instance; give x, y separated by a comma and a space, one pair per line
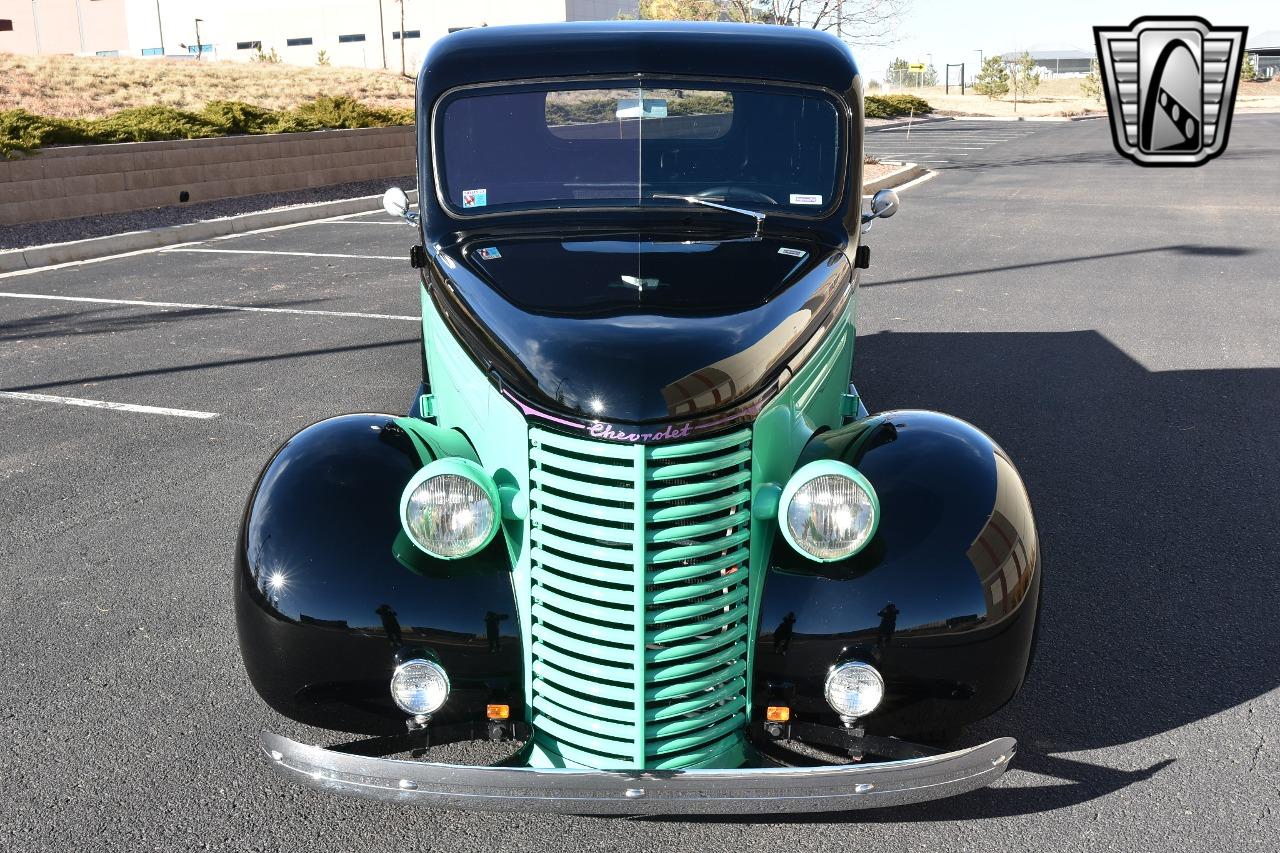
498, 712
854, 689
419, 686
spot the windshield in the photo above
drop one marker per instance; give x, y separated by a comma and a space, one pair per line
604, 145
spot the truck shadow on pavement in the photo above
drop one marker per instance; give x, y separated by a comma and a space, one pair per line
1156, 500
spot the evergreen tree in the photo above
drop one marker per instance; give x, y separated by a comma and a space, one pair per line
993, 79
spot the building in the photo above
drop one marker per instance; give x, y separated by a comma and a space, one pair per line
1067, 62
366, 34
1265, 49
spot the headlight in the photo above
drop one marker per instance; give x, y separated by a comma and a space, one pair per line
450, 509
419, 686
854, 689
828, 511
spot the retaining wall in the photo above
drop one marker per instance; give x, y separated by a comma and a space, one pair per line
84, 180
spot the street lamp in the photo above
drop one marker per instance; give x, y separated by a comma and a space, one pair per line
199, 44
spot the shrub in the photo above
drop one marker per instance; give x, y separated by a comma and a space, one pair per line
890, 106
24, 131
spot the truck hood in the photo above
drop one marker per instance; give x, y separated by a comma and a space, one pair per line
640, 329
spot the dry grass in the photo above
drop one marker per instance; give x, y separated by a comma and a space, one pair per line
92, 87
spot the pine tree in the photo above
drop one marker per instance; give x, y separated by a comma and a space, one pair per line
1091, 85
993, 79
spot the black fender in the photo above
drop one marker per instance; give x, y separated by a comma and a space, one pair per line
943, 600
328, 590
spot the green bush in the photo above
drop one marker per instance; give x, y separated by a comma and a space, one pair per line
889, 106
24, 131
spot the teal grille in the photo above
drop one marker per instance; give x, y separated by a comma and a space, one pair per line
639, 611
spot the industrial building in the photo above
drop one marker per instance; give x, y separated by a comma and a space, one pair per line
1057, 63
1265, 50
367, 34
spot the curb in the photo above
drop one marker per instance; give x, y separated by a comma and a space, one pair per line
34, 257
1031, 118
895, 124
908, 172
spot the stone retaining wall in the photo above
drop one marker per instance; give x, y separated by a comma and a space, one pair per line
83, 180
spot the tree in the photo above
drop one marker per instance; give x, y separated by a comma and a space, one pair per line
681, 10
1024, 77
322, 57
993, 79
1247, 69
898, 74
1091, 85
931, 76
862, 22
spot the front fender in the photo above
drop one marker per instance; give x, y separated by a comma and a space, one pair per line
328, 590
943, 599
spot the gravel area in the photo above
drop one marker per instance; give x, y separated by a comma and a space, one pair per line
871, 171
85, 227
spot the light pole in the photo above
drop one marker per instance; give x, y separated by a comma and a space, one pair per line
382, 36
979, 52
199, 46
160, 27
35, 22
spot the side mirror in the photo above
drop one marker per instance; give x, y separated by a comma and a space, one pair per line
396, 203
883, 205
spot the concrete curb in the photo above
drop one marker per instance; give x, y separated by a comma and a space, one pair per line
896, 124
35, 257
908, 172
1031, 118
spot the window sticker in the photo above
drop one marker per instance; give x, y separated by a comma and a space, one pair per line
478, 198
490, 253
805, 198
795, 253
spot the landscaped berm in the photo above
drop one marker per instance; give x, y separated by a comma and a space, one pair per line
65, 100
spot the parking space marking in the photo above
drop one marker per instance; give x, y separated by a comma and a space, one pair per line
104, 404
939, 143
251, 308
294, 254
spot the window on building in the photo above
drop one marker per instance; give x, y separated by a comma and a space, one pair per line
298, 42
409, 34
6, 25
248, 45
153, 51
350, 38
200, 48
106, 53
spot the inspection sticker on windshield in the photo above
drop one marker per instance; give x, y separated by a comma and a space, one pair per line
475, 198
795, 253
490, 253
804, 198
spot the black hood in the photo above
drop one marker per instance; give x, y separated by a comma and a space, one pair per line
636, 329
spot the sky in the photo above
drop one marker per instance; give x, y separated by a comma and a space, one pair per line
956, 31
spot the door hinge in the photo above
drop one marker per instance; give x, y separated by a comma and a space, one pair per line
417, 257
862, 259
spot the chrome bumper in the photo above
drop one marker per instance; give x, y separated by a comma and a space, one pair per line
635, 792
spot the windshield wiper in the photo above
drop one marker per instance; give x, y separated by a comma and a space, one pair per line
694, 199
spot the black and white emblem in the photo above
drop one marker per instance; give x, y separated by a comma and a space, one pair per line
1170, 85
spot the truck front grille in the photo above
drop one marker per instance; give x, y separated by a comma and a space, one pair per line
640, 599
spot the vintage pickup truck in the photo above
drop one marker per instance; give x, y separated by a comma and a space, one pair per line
637, 524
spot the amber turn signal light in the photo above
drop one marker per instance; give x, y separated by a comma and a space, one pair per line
498, 712
777, 714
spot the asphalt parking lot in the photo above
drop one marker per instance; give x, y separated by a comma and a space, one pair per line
1114, 327
938, 144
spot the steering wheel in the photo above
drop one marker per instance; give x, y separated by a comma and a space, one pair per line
736, 194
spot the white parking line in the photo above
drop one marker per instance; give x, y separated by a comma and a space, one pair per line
295, 254
250, 308
103, 404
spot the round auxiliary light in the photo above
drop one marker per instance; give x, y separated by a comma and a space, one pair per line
450, 508
854, 689
828, 511
419, 686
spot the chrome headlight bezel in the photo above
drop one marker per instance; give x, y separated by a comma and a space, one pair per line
405, 670
864, 670
466, 470
807, 474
